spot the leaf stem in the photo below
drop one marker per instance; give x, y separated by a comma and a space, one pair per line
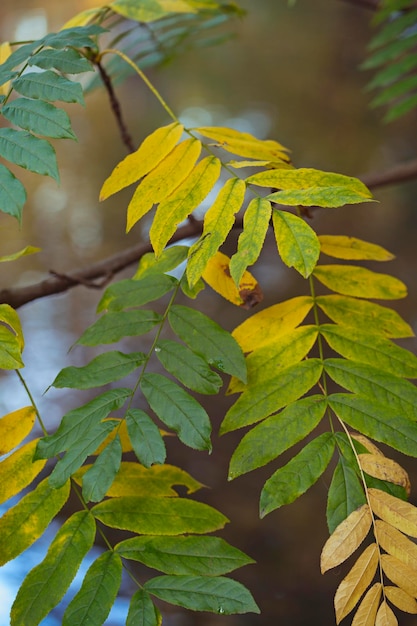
32, 400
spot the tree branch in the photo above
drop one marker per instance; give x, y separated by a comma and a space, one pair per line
397, 174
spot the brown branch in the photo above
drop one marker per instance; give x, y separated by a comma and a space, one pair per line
397, 174
373, 5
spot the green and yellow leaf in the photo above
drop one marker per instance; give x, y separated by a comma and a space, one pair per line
14, 427
345, 494
150, 11
346, 538
298, 245
400, 514
17, 255
18, 470
351, 248
351, 280
217, 274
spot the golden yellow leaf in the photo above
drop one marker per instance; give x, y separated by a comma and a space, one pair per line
366, 613
401, 599
396, 512
14, 427
217, 275
385, 616
163, 180
400, 574
385, 469
354, 585
245, 144
350, 248
346, 538
395, 543
83, 18
367, 443
152, 150
5, 52
18, 470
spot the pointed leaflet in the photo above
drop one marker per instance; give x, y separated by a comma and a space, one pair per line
345, 494
168, 260
351, 280
266, 398
366, 613
190, 368
92, 603
112, 327
375, 421
401, 599
46, 584
153, 150
218, 222
49, 86
11, 318
293, 479
276, 434
267, 325
18, 470
178, 410
98, 479
67, 61
21, 525
39, 117
346, 538
12, 194
121, 431
17, 255
104, 369
10, 350
163, 179
400, 574
30, 152
146, 439
364, 315
204, 556
350, 248
398, 513
150, 11
354, 585
396, 543
255, 226
136, 292
217, 275
203, 593
208, 339
182, 201
142, 611
14, 427
149, 515
298, 245
245, 144
384, 469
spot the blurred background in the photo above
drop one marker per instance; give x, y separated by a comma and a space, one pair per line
290, 74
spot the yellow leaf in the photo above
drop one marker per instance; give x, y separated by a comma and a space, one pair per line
83, 18
346, 538
269, 324
14, 427
5, 52
11, 318
394, 511
367, 443
18, 470
400, 574
351, 280
18, 255
395, 543
124, 438
245, 144
401, 599
152, 150
183, 201
354, 585
217, 275
350, 248
385, 616
366, 613
163, 180
385, 469
239, 164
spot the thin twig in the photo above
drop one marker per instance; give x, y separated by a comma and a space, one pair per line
397, 174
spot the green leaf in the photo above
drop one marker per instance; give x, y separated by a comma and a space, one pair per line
204, 556
190, 369
10, 350
92, 603
102, 370
268, 397
395, 393
276, 434
345, 495
12, 194
19, 56
201, 593
68, 61
48, 86
251, 240
350, 280
218, 222
178, 410
149, 515
291, 481
168, 260
375, 420
134, 293
150, 10
142, 611
30, 152
145, 437
368, 348
46, 584
77, 36
208, 339
364, 315
21, 525
403, 107
112, 327
98, 479
298, 245
39, 117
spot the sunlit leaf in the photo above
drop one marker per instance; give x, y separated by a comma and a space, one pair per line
298, 245
145, 437
49, 86
100, 476
354, 585
396, 543
14, 427
345, 495
18, 470
12, 197
366, 613
83, 18
218, 275
142, 611
402, 515
30, 152
104, 369
113, 326
351, 280
39, 117
385, 469
400, 574
351, 248
245, 144
346, 538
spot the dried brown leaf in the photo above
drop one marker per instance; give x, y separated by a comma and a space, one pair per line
394, 542
385, 616
385, 469
366, 613
400, 574
346, 538
394, 511
355, 583
401, 599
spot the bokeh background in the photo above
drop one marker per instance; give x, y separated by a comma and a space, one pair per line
290, 74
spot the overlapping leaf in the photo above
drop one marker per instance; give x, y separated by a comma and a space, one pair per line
98, 479
145, 437
345, 494
217, 274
